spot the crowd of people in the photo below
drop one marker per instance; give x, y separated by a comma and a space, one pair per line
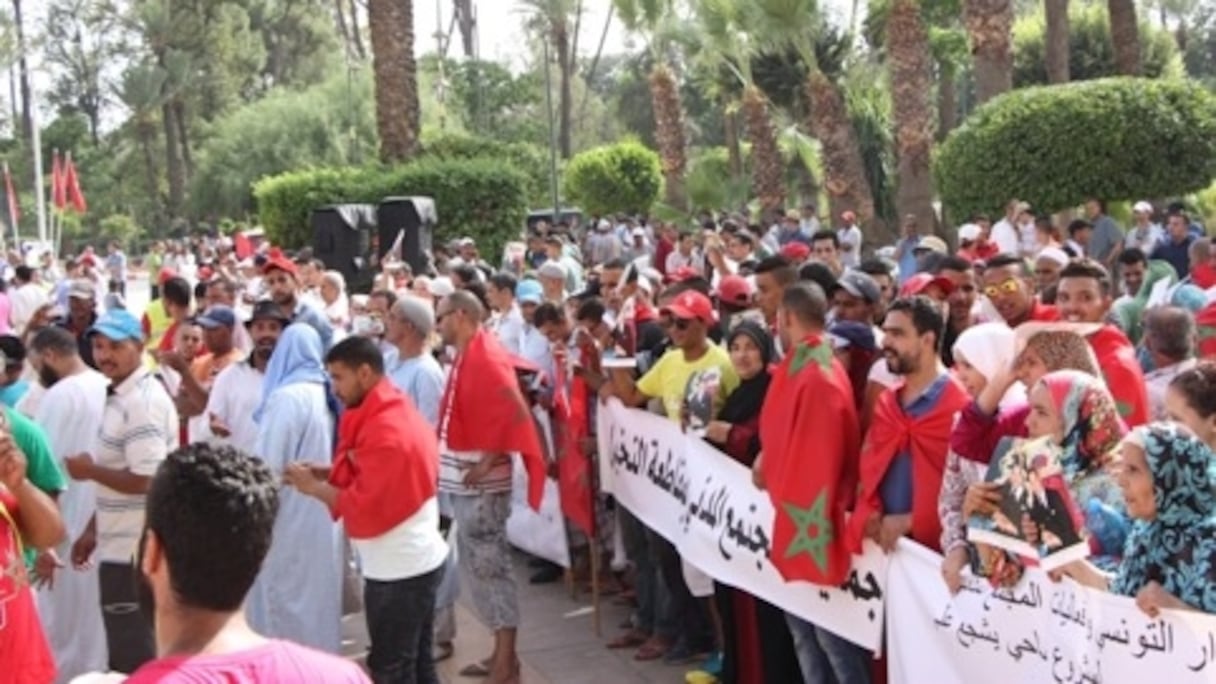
194, 492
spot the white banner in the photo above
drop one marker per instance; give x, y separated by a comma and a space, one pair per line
541, 533
1039, 631
704, 502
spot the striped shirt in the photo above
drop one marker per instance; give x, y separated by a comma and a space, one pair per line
454, 464
138, 430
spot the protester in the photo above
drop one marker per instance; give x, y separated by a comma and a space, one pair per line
1007, 283
1175, 246
237, 390
1191, 400
333, 295
283, 283
1169, 339
13, 385
962, 299
26, 297
139, 428
296, 595
202, 499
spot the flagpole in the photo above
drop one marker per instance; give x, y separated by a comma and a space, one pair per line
37, 144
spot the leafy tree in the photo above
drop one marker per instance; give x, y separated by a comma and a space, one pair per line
626, 176
1115, 138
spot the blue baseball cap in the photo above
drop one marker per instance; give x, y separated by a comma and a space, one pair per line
529, 292
218, 316
118, 325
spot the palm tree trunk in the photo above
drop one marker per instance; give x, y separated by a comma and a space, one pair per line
768, 178
990, 30
843, 169
173, 162
391, 23
1057, 40
669, 133
561, 44
1125, 36
947, 99
730, 124
911, 84
183, 132
27, 128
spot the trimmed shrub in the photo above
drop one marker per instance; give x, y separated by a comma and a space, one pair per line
529, 159
614, 178
1117, 138
480, 198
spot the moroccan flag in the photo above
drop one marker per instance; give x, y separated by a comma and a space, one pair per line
573, 466
927, 437
71, 187
489, 413
1122, 373
14, 210
242, 245
1205, 321
58, 189
809, 429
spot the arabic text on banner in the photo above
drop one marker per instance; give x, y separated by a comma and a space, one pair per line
1039, 631
704, 502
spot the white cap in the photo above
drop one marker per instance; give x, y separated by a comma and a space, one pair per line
441, 286
551, 269
1142, 207
968, 232
1055, 254
639, 232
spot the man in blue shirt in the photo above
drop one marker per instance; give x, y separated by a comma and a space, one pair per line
1175, 247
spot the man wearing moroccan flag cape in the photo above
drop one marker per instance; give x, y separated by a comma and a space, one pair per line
810, 433
905, 448
483, 418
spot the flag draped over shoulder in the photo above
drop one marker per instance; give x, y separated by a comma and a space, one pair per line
573, 466
488, 411
810, 434
927, 437
1121, 371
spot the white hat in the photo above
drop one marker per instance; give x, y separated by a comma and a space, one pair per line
1054, 254
639, 232
968, 232
441, 286
551, 269
1142, 207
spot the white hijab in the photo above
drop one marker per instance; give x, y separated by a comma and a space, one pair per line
990, 347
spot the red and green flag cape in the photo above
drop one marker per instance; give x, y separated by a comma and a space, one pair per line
1121, 371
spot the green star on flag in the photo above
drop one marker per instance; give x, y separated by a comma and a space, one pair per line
820, 353
807, 520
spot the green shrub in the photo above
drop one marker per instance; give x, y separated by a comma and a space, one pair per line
529, 159
480, 198
614, 178
1055, 146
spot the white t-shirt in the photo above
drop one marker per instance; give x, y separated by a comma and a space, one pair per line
24, 301
412, 548
850, 235
1006, 237
235, 395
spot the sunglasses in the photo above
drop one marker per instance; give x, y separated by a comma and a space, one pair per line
1008, 287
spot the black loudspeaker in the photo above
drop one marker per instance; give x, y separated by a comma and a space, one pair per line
342, 238
406, 225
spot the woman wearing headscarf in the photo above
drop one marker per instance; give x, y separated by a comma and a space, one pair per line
1168, 479
980, 353
337, 304
297, 595
1076, 412
756, 641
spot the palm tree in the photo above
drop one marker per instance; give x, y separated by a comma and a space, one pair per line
990, 29
140, 90
724, 27
1056, 41
794, 24
911, 72
391, 23
558, 20
650, 18
1125, 36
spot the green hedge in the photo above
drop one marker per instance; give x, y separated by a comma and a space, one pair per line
614, 178
1055, 146
531, 160
482, 198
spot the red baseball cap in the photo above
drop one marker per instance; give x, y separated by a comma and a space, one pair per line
796, 251
691, 304
920, 282
734, 289
280, 263
683, 273
165, 275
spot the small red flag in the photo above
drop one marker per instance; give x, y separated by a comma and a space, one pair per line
71, 185
14, 210
58, 192
573, 466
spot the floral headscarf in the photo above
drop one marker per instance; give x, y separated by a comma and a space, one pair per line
1092, 426
1064, 349
1177, 548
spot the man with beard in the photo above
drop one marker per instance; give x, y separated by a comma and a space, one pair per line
283, 283
961, 299
237, 390
139, 427
211, 512
1009, 285
905, 447
70, 414
81, 315
1084, 296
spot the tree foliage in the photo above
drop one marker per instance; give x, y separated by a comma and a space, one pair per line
481, 198
1116, 138
623, 177
1090, 54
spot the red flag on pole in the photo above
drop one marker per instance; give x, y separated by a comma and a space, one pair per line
573, 466
58, 194
14, 210
71, 187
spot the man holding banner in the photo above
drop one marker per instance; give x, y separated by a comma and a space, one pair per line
810, 402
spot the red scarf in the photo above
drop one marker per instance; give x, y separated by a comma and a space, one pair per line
809, 432
893, 431
488, 411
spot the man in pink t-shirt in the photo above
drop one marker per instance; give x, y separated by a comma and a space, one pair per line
210, 514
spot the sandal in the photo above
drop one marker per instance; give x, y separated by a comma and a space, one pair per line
653, 649
631, 639
475, 670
